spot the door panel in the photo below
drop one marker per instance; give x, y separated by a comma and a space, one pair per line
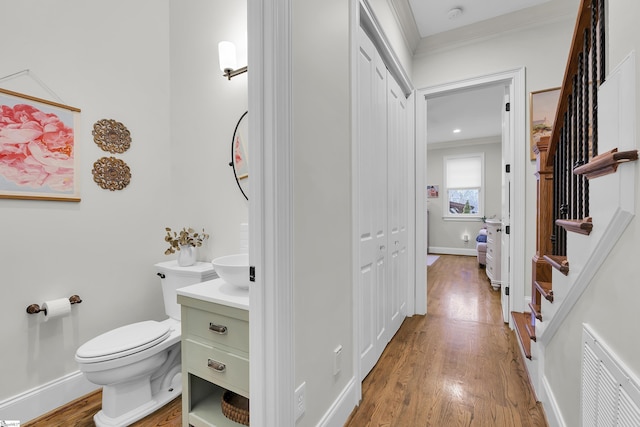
397, 202
383, 184
372, 204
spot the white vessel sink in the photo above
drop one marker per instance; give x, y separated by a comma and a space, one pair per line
233, 269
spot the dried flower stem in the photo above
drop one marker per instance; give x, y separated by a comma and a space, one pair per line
187, 236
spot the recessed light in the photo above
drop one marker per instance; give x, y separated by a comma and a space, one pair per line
457, 131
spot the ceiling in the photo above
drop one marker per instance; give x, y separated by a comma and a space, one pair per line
432, 16
476, 112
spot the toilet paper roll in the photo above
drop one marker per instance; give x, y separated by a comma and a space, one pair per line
56, 308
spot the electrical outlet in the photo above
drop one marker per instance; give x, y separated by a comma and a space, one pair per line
300, 400
337, 360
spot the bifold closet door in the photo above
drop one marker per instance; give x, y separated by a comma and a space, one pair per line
397, 199
372, 205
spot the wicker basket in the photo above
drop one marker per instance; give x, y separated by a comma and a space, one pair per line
235, 407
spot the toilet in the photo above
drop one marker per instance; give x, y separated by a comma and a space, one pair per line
139, 365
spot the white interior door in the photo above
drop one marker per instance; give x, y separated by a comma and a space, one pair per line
397, 146
372, 204
505, 262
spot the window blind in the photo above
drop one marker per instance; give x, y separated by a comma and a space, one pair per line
464, 172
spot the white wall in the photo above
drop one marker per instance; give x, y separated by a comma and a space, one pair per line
542, 51
322, 201
610, 303
119, 60
388, 20
205, 108
448, 234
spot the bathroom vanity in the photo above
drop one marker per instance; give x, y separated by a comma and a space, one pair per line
215, 350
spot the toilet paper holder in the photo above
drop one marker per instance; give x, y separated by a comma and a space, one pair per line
35, 308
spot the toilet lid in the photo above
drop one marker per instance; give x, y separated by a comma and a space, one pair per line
123, 341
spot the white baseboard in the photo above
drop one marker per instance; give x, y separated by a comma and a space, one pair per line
453, 251
342, 407
551, 408
45, 398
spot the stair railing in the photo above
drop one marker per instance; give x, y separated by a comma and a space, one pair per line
574, 140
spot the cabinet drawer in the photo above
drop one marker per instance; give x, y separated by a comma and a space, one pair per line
215, 329
226, 369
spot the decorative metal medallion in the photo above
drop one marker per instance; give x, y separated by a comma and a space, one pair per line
111, 173
111, 136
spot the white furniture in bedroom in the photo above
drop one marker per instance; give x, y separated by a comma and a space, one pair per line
481, 247
494, 252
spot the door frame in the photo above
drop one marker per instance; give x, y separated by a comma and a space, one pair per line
271, 336
515, 80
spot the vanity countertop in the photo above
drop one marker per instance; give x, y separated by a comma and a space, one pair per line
218, 291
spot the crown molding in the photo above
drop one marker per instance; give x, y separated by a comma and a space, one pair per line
495, 139
533, 17
404, 16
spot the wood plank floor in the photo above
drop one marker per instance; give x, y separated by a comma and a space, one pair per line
80, 412
457, 366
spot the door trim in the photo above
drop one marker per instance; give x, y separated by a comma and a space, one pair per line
271, 335
515, 79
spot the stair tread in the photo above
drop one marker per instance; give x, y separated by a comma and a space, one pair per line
530, 326
545, 289
580, 226
536, 311
558, 262
521, 320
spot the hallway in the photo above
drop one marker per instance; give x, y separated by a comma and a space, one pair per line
457, 366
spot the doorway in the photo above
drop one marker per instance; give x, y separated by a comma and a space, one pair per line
465, 131
513, 153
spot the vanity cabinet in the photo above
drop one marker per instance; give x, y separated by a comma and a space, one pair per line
215, 354
494, 253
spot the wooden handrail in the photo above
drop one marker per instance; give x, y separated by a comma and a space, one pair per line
582, 23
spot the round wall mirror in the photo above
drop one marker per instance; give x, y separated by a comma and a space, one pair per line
239, 160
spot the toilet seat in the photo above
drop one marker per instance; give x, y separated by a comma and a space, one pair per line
123, 341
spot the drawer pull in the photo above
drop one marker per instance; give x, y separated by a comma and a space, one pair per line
216, 366
219, 329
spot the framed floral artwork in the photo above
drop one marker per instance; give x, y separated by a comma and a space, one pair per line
543, 106
38, 149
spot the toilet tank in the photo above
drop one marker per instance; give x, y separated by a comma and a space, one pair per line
174, 277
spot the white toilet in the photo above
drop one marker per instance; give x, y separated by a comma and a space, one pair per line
139, 365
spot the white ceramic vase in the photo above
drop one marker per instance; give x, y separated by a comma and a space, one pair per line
186, 255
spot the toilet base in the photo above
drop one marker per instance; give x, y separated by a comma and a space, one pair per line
161, 398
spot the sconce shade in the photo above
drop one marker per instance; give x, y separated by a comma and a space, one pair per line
227, 54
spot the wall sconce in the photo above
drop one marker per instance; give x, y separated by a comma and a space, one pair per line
227, 54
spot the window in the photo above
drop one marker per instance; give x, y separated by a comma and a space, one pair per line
464, 185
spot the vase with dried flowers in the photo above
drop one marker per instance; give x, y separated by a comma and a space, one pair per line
185, 242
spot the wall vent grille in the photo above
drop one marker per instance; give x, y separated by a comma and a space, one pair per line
610, 394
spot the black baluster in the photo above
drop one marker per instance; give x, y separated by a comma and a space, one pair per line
601, 43
594, 78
